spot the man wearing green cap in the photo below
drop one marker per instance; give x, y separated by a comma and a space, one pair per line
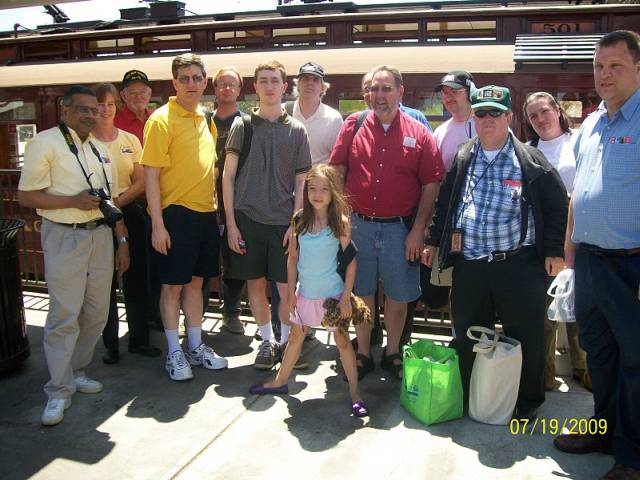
499, 222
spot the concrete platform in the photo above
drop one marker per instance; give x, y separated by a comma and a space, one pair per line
144, 426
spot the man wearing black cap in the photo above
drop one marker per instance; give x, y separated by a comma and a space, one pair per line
135, 93
321, 121
456, 88
499, 221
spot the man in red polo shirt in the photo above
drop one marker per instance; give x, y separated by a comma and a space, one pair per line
136, 94
392, 171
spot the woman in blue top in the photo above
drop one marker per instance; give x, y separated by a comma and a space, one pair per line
321, 230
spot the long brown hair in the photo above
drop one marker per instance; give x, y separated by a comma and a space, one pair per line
565, 121
338, 208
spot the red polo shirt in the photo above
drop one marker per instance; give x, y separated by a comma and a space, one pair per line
126, 120
386, 170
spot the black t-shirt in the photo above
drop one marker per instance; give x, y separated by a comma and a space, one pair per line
223, 125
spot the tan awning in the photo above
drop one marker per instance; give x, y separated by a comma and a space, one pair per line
409, 59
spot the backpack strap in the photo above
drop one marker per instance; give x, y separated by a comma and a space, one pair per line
247, 136
361, 118
288, 106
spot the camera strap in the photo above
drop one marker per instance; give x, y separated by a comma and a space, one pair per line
74, 149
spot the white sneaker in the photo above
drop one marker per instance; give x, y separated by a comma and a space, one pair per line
178, 367
54, 411
205, 356
85, 384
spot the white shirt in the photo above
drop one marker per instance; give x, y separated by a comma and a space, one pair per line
450, 135
322, 129
559, 152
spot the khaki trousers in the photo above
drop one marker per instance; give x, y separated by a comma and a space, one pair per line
78, 269
577, 354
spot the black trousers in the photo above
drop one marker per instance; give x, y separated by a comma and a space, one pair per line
608, 315
511, 292
139, 303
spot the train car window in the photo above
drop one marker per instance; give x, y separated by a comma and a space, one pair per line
430, 103
348, 106
299, 37
385, 33
472, 30
17, 110
110, 47
177, 43
238, 39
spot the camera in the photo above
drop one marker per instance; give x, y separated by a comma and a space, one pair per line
109, 211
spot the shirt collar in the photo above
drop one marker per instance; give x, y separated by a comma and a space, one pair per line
627, 110
297, 113
283, 118
129, 116
180, 110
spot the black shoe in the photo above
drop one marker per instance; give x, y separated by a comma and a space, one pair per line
529, 414
145, 350
111, 357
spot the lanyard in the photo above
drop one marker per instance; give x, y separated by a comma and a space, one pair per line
72, 146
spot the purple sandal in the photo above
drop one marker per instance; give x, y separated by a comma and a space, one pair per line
359, 409
260, 389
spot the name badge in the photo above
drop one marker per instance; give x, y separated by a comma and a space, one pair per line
409, 142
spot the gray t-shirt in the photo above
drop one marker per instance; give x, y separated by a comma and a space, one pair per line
265, 184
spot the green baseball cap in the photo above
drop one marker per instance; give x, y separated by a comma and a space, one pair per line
491, 96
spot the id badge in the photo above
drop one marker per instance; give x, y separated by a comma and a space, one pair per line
456, 241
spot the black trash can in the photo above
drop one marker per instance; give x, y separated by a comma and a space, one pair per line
14, 343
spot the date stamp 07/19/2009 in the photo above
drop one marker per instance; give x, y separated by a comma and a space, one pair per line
556, 426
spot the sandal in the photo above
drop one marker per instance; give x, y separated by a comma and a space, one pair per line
366, 367
387, 363
359, 409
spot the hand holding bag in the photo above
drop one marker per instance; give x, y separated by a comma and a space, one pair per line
495, 378
562, 308
431, 383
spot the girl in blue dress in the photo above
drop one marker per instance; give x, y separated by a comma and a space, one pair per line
321, 230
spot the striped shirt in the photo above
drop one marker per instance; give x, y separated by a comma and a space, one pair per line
489, 213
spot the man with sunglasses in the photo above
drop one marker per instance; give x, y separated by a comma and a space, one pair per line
392, 170
179, 162
500, 221
61, 165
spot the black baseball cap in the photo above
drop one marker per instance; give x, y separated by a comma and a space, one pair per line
311, 68
133, 76
455, 79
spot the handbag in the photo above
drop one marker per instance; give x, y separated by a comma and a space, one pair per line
562, 307
495, 378
431, 383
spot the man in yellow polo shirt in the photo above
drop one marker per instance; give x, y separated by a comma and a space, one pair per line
178, 159
61, 165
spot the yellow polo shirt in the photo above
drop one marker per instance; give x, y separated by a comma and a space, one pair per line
49, 165
181, 145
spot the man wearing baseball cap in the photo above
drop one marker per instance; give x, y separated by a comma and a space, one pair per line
136, 94
503, 235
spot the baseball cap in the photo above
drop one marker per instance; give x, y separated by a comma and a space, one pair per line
456, 79
491, 96
311, 68
133, 76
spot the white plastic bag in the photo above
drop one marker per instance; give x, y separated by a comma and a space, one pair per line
562, 308
495, 378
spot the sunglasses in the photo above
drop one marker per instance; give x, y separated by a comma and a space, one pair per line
495, 113
185, 79
384, 88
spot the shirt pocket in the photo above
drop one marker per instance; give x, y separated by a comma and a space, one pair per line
407, 162
623, 164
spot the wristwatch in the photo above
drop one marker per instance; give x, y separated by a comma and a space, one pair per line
123, 239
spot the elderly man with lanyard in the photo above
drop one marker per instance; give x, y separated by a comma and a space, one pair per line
603, 245
392, 172
500, 221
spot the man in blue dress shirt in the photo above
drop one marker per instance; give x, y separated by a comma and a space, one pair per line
603, 245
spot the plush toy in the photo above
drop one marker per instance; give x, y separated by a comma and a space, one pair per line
360, 313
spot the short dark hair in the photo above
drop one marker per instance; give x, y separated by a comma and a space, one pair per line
632, 39
565, 121
397, 76
185, 60
273, 66
67, 98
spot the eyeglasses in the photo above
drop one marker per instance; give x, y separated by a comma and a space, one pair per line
185, 79
232, 86
84, 110
383, 88
494, 112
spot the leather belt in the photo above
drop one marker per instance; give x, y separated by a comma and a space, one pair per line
620, 252
369, 219
92, 225
500, 256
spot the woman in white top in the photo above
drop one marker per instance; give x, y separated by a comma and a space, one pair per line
125, 151
548, 129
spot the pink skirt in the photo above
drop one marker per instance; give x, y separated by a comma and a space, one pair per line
310, 312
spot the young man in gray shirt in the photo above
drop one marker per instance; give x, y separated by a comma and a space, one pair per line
259, 200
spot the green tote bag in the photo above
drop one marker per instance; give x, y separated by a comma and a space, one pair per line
431, 382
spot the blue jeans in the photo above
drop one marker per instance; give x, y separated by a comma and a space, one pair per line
608, 315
